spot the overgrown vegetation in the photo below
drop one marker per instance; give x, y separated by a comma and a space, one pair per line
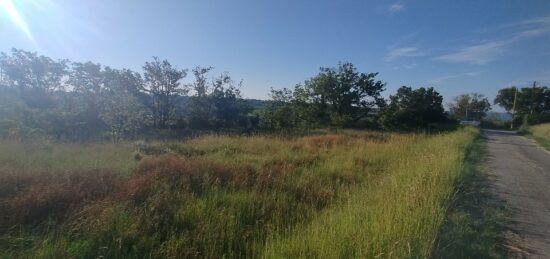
352, 194
540, 133
222, 191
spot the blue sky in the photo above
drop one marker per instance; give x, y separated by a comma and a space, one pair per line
455, 46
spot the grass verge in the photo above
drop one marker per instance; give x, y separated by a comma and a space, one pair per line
395, 216
474, 224
540, 133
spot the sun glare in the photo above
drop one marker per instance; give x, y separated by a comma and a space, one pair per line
9, 8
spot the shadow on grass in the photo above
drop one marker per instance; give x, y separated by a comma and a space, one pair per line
474, 224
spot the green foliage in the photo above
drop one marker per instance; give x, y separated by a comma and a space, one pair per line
336, 97
413, 109
87, 81
124, 115
162, 81
532, 104
530, 100
280, 113
339, 96
472, 106
217, 104
82, 101
25, 70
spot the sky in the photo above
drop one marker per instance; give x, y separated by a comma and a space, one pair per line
455, 46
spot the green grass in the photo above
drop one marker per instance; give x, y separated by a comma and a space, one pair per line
540, 133
352, 194
396, 215
39, 157
474, 224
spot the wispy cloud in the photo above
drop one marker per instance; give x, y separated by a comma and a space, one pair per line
403, 52
406, 66
396, 8
440, 80
487, 51
479, 54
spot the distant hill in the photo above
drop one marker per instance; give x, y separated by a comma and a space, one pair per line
254, 103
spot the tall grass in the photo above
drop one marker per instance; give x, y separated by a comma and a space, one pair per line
541, 133
352, 194
397, 215
45, 156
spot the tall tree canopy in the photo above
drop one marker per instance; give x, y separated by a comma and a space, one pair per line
26, 70
123, 111
217, 102
530, 100
84, 100
340, 95
87, 79
413, 108
162, 81
279, 113
470, 106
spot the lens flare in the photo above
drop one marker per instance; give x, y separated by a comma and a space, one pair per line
9, 8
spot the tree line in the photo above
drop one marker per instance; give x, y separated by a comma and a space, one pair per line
40, 96
73, 100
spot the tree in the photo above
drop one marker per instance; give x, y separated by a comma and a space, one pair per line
34, 86
26, 70
216, 104
279, 113
339, 96
470, 106
124, 80
530, 100
532, 104
124, 115
87, 80
162, 81
200, 107
123, 112
226, 101
411, 109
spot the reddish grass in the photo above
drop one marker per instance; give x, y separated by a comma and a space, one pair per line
194, 174
50, 196
81, 198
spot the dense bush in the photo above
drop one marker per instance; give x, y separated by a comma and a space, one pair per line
413, 109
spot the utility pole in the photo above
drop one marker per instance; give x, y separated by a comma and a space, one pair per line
514, 108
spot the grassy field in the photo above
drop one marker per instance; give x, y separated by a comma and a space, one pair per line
352, 194
541, 133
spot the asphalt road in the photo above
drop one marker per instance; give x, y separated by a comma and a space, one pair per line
521, 172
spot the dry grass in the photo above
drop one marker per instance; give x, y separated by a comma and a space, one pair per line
541, 133
353, 194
